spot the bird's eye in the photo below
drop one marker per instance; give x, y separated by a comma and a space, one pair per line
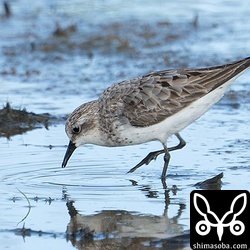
76, 130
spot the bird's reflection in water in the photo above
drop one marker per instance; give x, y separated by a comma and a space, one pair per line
120, 229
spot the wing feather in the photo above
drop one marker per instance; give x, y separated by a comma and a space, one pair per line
149, 99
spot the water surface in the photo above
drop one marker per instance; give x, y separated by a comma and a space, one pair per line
54, 57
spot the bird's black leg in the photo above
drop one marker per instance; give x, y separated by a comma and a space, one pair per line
181, 144
153, 155
166, 162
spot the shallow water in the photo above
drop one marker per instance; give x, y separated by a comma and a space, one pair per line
45, 71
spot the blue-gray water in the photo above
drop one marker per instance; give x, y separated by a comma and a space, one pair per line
54, 56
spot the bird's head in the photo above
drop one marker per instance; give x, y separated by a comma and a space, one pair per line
81, 128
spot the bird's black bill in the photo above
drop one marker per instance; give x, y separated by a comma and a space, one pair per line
71, 148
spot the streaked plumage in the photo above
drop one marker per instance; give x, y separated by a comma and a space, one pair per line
152, 107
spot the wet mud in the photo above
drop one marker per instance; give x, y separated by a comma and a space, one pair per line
57, 55
18, 121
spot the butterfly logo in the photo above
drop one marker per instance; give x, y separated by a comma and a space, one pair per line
203, 227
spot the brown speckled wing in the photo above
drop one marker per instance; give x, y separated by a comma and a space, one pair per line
149, 99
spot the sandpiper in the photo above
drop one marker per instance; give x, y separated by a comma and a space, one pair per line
149, 108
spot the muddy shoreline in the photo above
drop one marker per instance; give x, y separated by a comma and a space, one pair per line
18, 121
55, 56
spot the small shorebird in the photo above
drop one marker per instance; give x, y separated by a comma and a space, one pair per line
148, 108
